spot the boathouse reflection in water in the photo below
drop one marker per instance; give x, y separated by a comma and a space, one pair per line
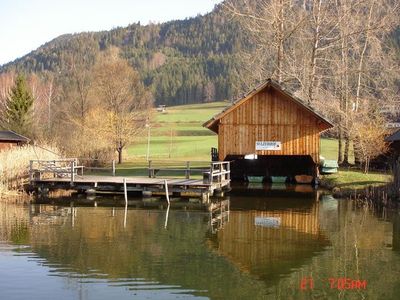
268, 252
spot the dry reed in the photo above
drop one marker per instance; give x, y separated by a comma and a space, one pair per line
14, 166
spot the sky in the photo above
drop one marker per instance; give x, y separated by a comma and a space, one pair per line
25, 25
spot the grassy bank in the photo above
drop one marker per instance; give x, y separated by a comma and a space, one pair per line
355, 180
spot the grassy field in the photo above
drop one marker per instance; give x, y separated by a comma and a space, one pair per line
178, 135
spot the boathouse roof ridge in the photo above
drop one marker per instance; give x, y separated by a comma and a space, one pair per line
9, 135
269, 82
394, 137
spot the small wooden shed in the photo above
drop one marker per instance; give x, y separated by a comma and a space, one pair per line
10, 138
394, 147
274, 126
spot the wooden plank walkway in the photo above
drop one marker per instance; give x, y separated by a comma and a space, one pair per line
63, 174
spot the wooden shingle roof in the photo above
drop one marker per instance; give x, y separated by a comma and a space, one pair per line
212, 123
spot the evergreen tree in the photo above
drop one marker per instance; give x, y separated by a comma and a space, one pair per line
18, 110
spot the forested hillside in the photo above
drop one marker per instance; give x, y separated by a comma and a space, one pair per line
185, 61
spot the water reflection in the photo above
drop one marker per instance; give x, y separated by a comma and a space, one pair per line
103, 253
287, 239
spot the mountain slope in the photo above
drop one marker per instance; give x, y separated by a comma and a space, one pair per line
186, 61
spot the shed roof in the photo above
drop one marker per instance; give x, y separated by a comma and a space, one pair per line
212, 123
394, 137
8, 135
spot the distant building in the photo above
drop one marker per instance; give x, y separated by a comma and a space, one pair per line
162, 108
392, 113
10, 139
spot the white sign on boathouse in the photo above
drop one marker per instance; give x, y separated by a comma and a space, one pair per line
267, 222
269, 146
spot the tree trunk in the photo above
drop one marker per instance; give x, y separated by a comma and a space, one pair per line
366, 166
340, 142
313, 63
346, 150
356, 155
119, 150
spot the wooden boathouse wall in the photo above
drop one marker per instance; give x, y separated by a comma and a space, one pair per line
269, 113
269, 116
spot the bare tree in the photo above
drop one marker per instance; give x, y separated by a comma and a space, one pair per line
123, 96
368, 132
270, 24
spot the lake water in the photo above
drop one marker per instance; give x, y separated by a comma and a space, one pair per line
272, 245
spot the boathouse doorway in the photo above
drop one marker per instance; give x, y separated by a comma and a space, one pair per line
268, 166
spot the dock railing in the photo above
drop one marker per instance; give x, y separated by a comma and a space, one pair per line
67, 168
211, 172
220, 171
185, 168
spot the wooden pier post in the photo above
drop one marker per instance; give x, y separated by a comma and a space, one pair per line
125, 193
166, 217
126, 203
166, 191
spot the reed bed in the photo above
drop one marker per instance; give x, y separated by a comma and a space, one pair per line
14, 166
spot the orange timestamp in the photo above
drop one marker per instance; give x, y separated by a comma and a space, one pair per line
307, 283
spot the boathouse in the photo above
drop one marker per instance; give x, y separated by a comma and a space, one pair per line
9, 139
269, 132
394, 147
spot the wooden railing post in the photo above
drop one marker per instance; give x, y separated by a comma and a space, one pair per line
220, 172
72, 172
150, 171
211, 178
187, 173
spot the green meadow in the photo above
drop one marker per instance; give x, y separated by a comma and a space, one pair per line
178, 134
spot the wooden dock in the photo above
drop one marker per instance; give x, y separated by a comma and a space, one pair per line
69, 174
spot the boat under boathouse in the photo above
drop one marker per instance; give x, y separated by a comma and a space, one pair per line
278, 132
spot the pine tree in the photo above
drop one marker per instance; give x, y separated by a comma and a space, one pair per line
19, 104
